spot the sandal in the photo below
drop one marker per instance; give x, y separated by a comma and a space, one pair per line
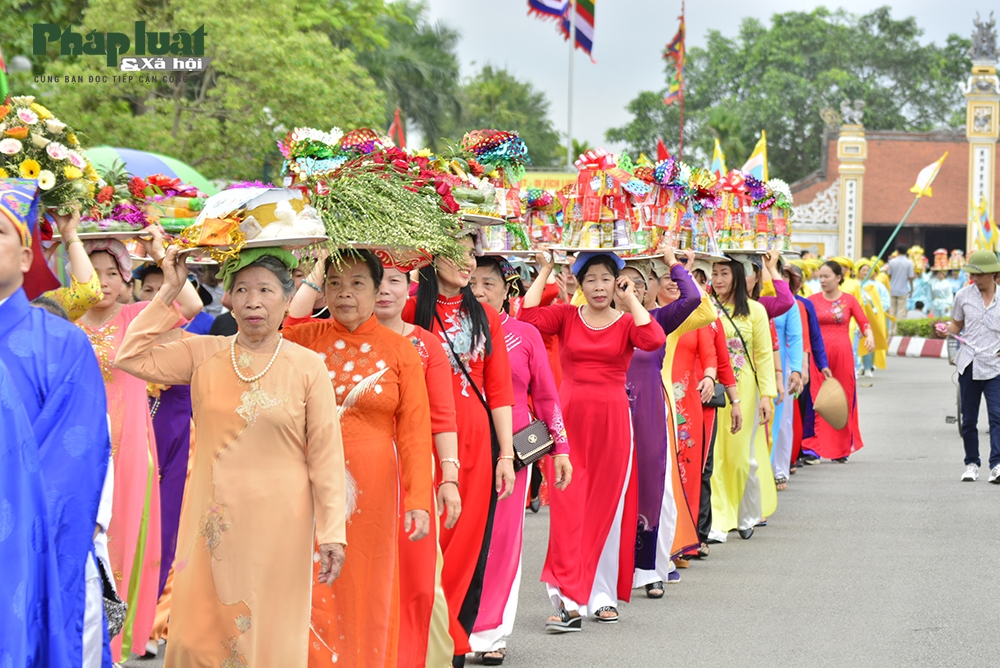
494, 658
703, 551
781, 484
609, 619
681, 562
653, 590
564, 622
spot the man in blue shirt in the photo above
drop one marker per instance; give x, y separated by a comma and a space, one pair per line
53, 368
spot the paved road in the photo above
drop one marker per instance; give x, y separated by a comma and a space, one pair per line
885, 561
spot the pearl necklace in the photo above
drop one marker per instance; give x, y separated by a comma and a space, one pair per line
236, 368
586, 324
114, 312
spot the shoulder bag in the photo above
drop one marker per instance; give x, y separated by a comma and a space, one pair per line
746, 351
495, 443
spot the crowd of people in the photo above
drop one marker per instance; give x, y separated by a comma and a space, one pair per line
329, 472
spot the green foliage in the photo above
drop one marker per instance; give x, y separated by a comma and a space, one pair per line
922, 327
494, 98
18, 17
579, 148
778, 78
417, 70
264, 79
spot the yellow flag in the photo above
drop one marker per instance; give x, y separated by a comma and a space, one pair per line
718, 160
756, 164
926, 177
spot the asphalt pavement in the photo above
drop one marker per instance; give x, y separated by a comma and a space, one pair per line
885, 561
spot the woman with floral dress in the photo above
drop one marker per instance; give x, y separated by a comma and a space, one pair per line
473, 339
384, 415
740, 496
495, 282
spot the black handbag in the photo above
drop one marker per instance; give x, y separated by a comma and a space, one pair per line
114, 608
718, 399
531, 444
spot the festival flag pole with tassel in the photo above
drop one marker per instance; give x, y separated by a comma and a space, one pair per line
675, 88
922, 187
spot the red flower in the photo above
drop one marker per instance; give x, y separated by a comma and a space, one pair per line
136, 186
401, 165
475, 167
104, 196
442, 188
448, 204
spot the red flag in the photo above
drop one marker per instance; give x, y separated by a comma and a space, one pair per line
661, 150
397, 129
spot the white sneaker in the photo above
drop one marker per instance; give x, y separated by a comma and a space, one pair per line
971, 474
995, 475
869, 373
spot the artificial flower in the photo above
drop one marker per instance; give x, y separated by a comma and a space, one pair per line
72, 172
55, 126
46, 179
27, 116
10, 146
38, 140
18, 133
42, 112
29, 169
77, 160
57, 151
72, 140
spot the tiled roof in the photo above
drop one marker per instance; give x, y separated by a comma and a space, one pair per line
894, 160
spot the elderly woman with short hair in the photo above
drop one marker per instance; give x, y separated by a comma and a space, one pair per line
268, 463
378, 381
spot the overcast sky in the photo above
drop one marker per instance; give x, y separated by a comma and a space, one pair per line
629, 37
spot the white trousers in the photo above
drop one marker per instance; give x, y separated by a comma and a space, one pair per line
663, 565
783, 437
751, 505
490, 640
604, 592
93, 617
494, 639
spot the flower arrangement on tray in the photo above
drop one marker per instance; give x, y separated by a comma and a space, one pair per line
369, 193
34, 144
247, 215
119, 204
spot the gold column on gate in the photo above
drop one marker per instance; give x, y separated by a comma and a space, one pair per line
982, 126
852, 151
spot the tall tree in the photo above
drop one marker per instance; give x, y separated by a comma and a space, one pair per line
264, 78
494, 98
417, 69
778, 78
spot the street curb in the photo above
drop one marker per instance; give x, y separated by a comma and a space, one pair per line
914, 346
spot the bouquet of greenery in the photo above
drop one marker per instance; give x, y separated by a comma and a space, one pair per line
34, 144
371, 194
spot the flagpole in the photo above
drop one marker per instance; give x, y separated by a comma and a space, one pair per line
680, 149
892, 236
569, 87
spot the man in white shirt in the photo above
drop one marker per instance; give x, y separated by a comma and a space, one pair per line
976, 316
901, 274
